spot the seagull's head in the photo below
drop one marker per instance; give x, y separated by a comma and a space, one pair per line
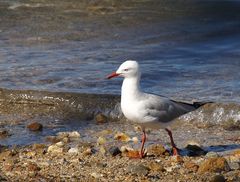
127, 69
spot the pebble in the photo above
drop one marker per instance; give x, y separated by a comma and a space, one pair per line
114, 151
102, 150
140, 170
234, 165
217, 178
55, 149
60, 144
212, 154
35, 126
122, 137
88, 151
96, 175
217, 164
100, 118
126, 148
73, 150
101, 140
73, 134
135, 140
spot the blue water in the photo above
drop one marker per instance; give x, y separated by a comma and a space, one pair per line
186, 49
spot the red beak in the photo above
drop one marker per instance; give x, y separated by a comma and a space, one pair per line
114, 74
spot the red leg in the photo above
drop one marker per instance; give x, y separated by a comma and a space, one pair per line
174, 148
141, 154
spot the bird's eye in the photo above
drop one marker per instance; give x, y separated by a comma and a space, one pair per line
125, 69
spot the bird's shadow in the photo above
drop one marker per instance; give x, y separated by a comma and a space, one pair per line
211, 148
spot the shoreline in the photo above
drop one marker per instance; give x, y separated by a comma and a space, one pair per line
72, 145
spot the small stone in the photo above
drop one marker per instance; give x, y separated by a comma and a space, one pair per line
73, 150
135, 140
35, 126
217, 178
114, 151
60, 144
31, 154
157, 150
212, 154
100, 118
88, 151
102, 150
55, 149
101, 140
62, 135
122, 137
96, 175
234, 165
139, 170
125, 148
217, 164
74, 134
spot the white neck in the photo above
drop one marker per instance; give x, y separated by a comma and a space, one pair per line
130, 88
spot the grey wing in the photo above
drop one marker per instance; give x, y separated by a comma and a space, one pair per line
164, 110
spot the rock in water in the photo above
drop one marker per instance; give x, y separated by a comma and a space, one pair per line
35, 126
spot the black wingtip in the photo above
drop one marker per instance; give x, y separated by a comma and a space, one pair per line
199, 104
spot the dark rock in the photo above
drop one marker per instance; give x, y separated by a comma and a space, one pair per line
195, 150
139, 170
217, 178
35, 126
114, 151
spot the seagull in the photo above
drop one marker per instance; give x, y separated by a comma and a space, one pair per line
148, 110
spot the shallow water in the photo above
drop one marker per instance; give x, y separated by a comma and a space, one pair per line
76, 112
187, 49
